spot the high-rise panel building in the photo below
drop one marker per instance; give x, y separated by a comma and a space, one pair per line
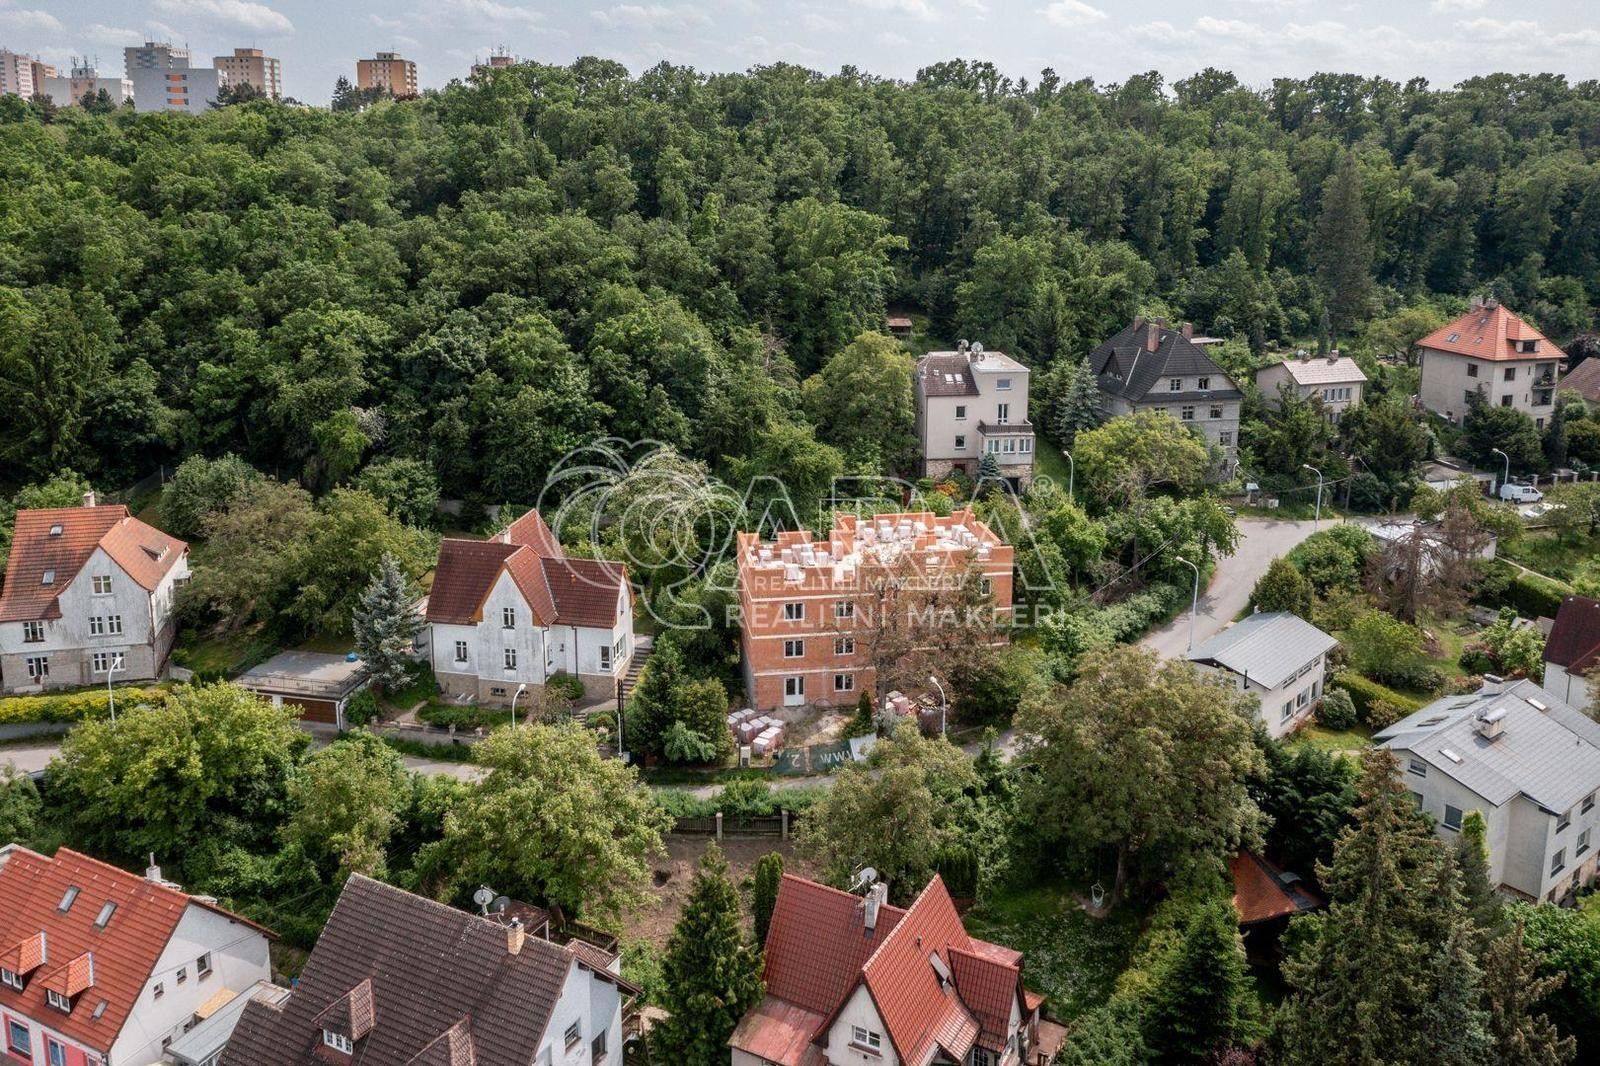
155, 55
163, 80
16, 74
83, 80
250, 66
388, 71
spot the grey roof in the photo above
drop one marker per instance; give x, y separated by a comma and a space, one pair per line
1547, 751
1126, 367
306, 672
946, 374
1266, 647
208, 1036
1320, 370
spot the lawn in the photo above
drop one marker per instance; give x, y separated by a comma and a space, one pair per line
1049, 460
222, 655
1332, 741
1071, 958
1548, 554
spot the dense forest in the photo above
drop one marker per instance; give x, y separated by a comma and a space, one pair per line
479, 280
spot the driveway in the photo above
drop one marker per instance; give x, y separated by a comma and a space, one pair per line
1261, 540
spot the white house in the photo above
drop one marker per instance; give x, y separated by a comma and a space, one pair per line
1278, 656
1572, 649
397, 978
88, 590
1492, 356
969, 402
101, 967
516, 609
1528, 761
1334, 380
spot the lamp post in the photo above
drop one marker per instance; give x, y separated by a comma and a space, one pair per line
1317, 521
1072, 473
1194, 602
112, 667
944, 702
1507, 478
520, 690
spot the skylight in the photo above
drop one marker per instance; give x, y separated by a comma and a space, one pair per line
56, 530
66, 898
105, 914
49, 578
1537, 705
1448, 754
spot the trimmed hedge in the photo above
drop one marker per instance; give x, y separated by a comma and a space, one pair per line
1532, 596
1364, 692
71, 706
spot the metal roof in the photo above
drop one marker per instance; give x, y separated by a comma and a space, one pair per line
1547, 750
1266, 647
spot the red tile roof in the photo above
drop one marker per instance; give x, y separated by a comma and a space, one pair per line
558, 590
72, 955
1488, 333
1574, 641
904, 984
816, 944
1260, 893
146, 553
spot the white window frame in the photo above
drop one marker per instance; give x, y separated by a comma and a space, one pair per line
1558, 861
1174, 384
338, 1041
844, 682
794, 686
33, 632
573, 1036
508, 618
1417, 767
1002, 384
794, 611
961, 440
101, 584
97, 625
202, 965
863, 1037
58, 1001
38, 667
844, 646
1002, 414
605, 657
961, 412
114, 625
1202, 384
1456, 826
1582, 845
844, 609
794, 649
510, 658
55, 1052
461, 651
25, 1047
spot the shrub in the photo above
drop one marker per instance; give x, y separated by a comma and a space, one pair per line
1381, 714
1534, 596
564, 684
1337, 710
72, 706
462, 716
1365, 693
361, 710
1282, 588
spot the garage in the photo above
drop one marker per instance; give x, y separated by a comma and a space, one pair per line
318, 684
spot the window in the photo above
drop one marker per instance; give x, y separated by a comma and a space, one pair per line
102, 661
961, 440
605, 657
961, 410
1009, 446
1225, 437
1558, 862
1002, 413
794, 612
508, 618
158, 990
97, 625
1416, 797
56, 1053
1202, 384
794, 686
1288, 711
844, 646
461, 651
1563, 821
18, 1039
1505, 401
33, 632
1175, 385
58, 1001
865, 1038
1587, 805
1452, 817
38, 667
794, 649
1468, 397
48, 578
597, 1047
1472, 370
1303, 699
1216, 410
1186, 412
573, 1035
102, 584
982, 1057
511, 658
337, 1041
844, 609
202, 965
844, 682
114, 624
1418, 767
106, 911
1511, 373
10, 979
1583, 843
67, 898
183, 974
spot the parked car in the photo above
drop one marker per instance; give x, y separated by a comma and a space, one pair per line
1533, 511
1520, 493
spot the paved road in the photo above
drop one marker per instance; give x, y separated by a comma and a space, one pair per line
1261, 540
32, 758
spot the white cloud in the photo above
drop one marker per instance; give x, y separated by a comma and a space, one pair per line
819, 23
919, 9
1230, 29
30, 19
890, 39
491, 11
977, 7
103, 34
1499, 27
1158, 32
242, 14
387, 24
1459, 5
1072, 13
1577, 39
652, 17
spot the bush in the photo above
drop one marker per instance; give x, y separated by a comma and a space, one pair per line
564, 684
361, 710
72, 706
1534, 596
463, 716
1282, 588
1337, 710
1366, 693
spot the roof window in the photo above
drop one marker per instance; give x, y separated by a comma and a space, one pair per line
105, 914
1452, 338
48, 577
67, 898
56, 529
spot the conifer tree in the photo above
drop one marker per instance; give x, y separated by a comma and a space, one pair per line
711, 973
1455, 1025
1202, 1001
988, 470
1341, 247
1081, 407
386, 625
1472, 855
764, 892
1513, 989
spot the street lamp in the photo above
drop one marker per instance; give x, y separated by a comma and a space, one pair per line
1315, 522
1194, 602
1072, 473
1507, 458
112, 666
944, 702
520, 690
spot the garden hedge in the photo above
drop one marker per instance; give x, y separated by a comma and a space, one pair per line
71, 706
1364, 692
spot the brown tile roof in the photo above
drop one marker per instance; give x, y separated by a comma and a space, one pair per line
990, 989
905, 985
146, 553
1260, 893
816, 944
1584, 379
1574, 641
445, 989
1488, 333
74, 956
558, 590
946, 374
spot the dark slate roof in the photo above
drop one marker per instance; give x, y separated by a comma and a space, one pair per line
1584, 379
1126, 367
442, 981
946, 374
1574, 642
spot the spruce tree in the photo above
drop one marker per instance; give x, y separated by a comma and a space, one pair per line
767, 878
1455, 1026
386, 625
1472, 855
1341, 247
1203, 998
1080, 408
710, 975
988, 470
1513, 989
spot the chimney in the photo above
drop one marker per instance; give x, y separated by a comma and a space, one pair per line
152, 873
1304, 354
1492, 684
515, 935
1333, 356
1188, 331
1152, 339
876, 895
88, 498
1491, 724
1490, 303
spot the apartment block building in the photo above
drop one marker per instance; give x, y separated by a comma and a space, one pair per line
1492, 356
969, 402
253, 67
388, 71
164, 80
16, 74
82, 80
810, 610
154, 55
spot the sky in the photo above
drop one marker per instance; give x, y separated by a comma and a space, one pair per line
317, 40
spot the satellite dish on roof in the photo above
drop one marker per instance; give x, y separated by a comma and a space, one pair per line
977, 347
501, 904
863, 879
483, 897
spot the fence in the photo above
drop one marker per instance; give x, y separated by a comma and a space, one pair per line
738, 825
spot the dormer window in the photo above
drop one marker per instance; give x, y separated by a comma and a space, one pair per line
338, 1041
866, 1039
11, 979
1175, 385
1203, 384
58, 1001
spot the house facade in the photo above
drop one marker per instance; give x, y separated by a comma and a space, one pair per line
1492, 356
397, 978
971, 402
1148, 367
1528, 761
104, 967
1333, 380
89, 592
1571, 650
810, 610
516, 610
1276, 656
853, 980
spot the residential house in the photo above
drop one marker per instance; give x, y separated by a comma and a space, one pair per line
1488, 355
515, 609
809, 609
1148, 367
969, 402
1584, 379
397, 978
215, 1021
253, 67
1279, 657
16, 74
1571, 650
89, 591
102, 967
1335, 381
1528, 761
852, 980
